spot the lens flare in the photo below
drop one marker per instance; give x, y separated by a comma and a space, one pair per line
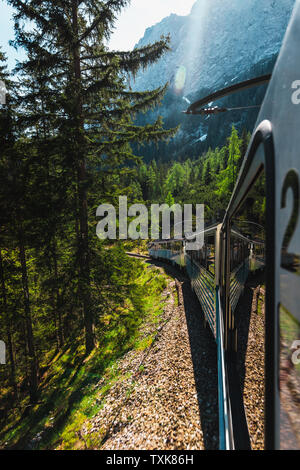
180, 78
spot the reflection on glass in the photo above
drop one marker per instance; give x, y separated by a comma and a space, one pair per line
206, 256
289, 380
289, 260
289, 370
248, 269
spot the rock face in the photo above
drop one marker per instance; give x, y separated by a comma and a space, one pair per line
219, 43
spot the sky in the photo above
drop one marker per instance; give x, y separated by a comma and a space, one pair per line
140, 15
130, 26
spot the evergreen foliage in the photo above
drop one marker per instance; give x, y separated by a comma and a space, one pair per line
208, 179
66, 147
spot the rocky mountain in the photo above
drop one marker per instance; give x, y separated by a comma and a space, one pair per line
221, 42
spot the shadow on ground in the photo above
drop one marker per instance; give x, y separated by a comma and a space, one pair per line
204, 357
243, 316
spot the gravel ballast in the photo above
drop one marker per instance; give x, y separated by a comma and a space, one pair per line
166, 398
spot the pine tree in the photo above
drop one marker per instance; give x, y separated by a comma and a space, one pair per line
234, 155
169, 199
226, 179
6, 235
207, 174
81, 93
245, 139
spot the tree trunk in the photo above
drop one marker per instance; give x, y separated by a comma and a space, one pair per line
8, 334
33, 364
83, 249
60, 332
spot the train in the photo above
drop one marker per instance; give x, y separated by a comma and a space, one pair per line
218, 271
205, 268
204, 265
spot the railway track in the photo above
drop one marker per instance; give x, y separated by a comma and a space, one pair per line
137, 255
248, 364
245, 367
167, 398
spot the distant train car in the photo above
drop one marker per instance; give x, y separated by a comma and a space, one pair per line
200, 266
216, 292
203, 266
171, 250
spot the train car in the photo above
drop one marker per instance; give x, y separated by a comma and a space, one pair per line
200, 266
171, 250
205, 268
218, 271
239, 265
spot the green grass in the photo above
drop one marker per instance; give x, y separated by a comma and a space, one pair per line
139, 246
69, 390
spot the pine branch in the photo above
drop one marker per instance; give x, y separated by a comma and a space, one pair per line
106, 17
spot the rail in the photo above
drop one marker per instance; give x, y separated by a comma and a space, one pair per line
226, 440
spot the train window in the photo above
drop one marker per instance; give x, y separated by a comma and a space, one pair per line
289, 380
247, 242
288, 311
206, 256
247, 304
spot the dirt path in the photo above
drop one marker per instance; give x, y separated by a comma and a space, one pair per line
167, 398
